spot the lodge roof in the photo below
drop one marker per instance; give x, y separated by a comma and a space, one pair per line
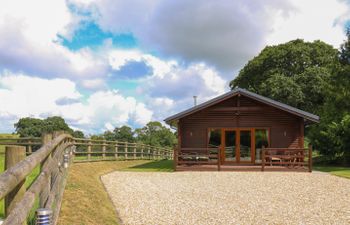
306, 115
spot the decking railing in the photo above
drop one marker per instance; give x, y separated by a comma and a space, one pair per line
289, 158
53, 157
197, 156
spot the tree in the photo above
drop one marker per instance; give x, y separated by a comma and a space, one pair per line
78, 134
154, 133
34, 127
56, 123
29, 127
331, 135
296, 73
123, 133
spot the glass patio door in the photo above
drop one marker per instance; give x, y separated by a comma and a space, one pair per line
237, 145
245, 146
230, 146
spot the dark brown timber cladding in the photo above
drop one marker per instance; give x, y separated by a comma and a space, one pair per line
286, 130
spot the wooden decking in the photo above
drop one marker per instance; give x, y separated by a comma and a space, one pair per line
243, 167
273, 159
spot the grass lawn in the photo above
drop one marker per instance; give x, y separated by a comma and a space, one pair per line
85, 200
335, 170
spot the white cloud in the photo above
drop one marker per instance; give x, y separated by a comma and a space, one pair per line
118, 58
173, 91
40, 20
312, 20
221, 33
23, 96
94, 83
29, 41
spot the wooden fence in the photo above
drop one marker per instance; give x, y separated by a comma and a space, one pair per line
288, 158
56, 153
197, 156
97, 150
47, 189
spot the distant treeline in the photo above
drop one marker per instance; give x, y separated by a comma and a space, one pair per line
153, 133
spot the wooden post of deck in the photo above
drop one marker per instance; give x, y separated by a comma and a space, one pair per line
263, 158
175, 157
219, 159
13, 155
310, 158
89, 150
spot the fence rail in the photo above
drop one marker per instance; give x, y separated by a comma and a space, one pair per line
94, 150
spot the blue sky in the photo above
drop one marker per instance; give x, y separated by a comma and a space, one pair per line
107, 63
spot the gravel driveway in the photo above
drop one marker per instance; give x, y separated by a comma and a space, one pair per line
229, 198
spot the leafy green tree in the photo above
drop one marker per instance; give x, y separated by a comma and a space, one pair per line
154, 133
331, 135
33, 127
123, 133
97, 137
29, 127
78, 134
296, 73
55, 123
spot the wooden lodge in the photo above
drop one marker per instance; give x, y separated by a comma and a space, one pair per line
241, 130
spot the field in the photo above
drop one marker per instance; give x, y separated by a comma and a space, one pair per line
93, 206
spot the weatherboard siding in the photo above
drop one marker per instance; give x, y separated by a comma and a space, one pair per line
286, 130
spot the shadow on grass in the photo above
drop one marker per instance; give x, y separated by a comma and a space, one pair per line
154, 166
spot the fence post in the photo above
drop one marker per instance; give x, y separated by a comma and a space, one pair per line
126, 150
263, 158
29, 150
89, 150
116, 151
310, 158
13, 155
46, 138
142, 151
134, 155
104, 149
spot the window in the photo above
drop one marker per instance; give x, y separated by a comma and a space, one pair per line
214, 138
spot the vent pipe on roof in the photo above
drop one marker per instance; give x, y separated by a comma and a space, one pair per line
194, 100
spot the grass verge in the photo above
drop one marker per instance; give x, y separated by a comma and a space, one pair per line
85, 200
334, 170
